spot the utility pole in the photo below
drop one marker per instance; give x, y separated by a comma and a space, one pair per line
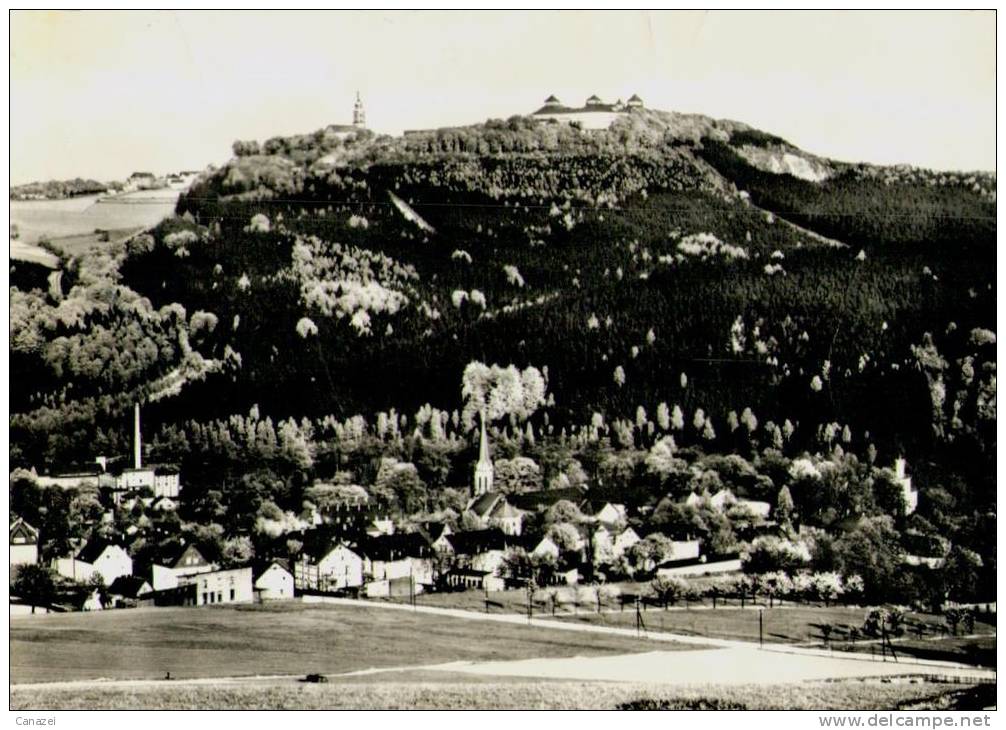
640, 626
761, 628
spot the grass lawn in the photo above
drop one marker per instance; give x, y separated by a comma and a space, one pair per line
505, 695
290, 638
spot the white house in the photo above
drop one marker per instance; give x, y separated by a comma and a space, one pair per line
480, 550
108, 559
188, 563
390, 557
340, 567
274, 581
684, 549
546, 547
625, 540
23, 543
223, 586
609, 514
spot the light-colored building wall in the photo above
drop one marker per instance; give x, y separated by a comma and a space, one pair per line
166, 485
136, 479
341, 568
73, 569
224, 586
23, 554
275, 583
113, 562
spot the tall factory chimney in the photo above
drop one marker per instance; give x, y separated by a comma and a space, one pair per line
137, 443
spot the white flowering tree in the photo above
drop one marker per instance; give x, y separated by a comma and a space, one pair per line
500, 392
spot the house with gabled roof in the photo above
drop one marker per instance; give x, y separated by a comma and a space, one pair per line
481, 550
273, 580
107, 558
329, 567
126, 590
401, 555
180, 567
23, 543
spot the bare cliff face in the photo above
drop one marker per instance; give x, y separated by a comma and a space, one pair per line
781, 161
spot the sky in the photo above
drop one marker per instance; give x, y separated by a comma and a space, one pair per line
101, 94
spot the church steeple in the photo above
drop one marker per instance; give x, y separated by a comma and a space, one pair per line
359, 116
484, 467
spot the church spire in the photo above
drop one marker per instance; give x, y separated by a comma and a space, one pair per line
484, 467
359, 116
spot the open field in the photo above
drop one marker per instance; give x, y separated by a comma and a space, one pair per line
787, 624
869, 695
274, 640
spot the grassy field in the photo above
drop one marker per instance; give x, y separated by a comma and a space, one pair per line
789, 624
290, 638
500, 695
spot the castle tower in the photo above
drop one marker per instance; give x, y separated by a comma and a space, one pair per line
484, 467
359, 116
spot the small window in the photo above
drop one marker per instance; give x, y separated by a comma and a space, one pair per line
204, 597
220, 596
232, 594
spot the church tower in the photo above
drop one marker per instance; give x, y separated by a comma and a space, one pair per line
484, 467
359, 116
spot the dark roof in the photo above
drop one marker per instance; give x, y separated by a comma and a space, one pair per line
545, 497
395, 547
635, 97
552, 99
484, 503
593, 98
94, 548
432, 531
473, 542
470, 572
127, 586
166, 469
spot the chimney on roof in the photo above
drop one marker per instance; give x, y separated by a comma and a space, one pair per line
137, 443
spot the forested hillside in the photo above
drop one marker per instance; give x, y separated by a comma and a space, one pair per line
656, 280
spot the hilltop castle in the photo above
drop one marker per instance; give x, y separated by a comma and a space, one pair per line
594, 114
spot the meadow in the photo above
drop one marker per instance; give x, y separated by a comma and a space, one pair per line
284, 639
496, 695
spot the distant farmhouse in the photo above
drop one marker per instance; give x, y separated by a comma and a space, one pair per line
594, 114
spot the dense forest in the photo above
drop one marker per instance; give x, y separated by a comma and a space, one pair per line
319, 303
